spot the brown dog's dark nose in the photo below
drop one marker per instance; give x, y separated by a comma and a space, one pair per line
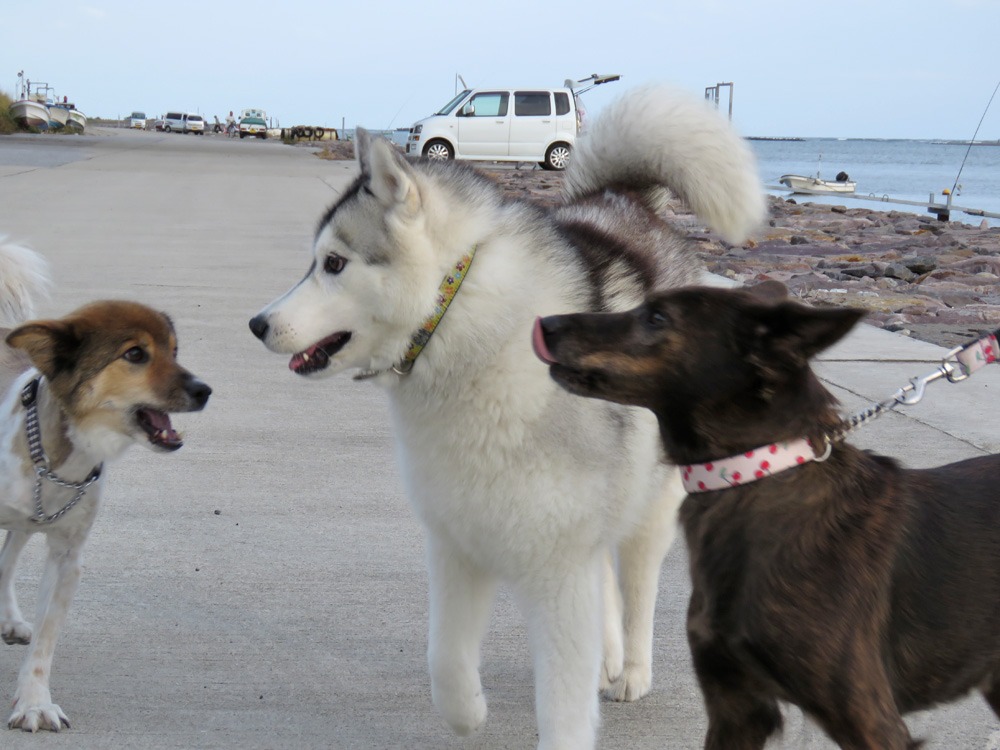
259, 326
198, 391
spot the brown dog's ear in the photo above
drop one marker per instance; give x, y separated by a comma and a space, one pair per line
51, 345
791, 333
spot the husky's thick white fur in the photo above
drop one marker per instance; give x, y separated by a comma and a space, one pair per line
564, 500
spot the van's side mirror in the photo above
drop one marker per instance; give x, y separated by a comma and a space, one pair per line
469, 110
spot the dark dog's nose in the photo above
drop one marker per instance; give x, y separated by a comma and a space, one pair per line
259, 326
198, 391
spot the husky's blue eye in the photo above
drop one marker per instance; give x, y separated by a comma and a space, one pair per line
136, 355
334, 263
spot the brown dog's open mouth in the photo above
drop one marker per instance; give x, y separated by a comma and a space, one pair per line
317, 356
159, 431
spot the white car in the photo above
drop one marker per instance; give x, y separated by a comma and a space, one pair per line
520, 125
194, 124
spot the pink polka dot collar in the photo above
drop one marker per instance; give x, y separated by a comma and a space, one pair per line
750, 466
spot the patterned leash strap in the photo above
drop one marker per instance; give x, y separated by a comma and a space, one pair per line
957, 365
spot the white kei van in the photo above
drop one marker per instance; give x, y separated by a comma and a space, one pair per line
538, 125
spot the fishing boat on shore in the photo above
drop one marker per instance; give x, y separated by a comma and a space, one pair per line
30, 113
76, 121
801, 184
30, 110
58, 116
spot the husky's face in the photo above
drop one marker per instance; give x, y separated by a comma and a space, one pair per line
112, 367
353, 307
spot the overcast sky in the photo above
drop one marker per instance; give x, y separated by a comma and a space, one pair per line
841, 68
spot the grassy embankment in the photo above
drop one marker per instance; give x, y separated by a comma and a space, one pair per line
7, 124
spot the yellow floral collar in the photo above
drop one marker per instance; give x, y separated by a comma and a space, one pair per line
446, 293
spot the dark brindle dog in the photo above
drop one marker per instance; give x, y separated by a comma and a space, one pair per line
851, 587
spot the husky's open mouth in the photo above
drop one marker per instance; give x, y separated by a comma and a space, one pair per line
159, 431
317, 356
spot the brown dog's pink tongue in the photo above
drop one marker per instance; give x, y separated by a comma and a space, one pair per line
538, 344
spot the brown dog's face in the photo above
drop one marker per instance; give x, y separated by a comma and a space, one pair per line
112, 366
688, 346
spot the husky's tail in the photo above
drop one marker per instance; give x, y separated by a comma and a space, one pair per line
663, 136
24, 279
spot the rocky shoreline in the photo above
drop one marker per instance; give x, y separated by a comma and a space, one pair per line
932, 280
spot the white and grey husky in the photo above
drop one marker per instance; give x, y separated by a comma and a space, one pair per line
564, 500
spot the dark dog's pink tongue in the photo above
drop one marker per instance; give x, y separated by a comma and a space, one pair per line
538, 344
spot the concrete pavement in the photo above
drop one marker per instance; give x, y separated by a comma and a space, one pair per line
264, 587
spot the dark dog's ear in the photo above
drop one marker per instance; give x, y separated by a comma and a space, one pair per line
52, 345
790, 333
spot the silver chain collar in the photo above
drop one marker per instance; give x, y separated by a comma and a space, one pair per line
33, 431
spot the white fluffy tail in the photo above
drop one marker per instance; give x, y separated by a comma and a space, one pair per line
664, 136
24, 279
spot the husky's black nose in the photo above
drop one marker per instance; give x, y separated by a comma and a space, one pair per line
258, 326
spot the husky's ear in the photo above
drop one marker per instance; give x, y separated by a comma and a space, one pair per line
386, 172
51, 345
362, 148
790, 334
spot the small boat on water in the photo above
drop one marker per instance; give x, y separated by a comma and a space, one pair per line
801, 184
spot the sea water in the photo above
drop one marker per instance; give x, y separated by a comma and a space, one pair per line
901, 169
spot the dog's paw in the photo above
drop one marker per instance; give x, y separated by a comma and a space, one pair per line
611, 670
633, 683
31, 718
15, 631
464, 716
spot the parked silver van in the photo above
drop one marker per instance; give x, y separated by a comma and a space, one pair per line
183, 122
523, 125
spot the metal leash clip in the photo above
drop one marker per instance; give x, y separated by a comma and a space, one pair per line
910, 394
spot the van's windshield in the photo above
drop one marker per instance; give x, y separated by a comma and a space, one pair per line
447, 108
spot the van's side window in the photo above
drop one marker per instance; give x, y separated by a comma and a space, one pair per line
532, 103
490, 104
562, 103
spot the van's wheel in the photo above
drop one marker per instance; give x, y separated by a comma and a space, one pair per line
242, 135
166, 128
557, 157
438, 150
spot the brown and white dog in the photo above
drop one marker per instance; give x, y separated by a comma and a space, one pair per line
76, 392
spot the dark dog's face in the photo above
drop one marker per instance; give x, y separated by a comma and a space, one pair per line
690, 349
112, 366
